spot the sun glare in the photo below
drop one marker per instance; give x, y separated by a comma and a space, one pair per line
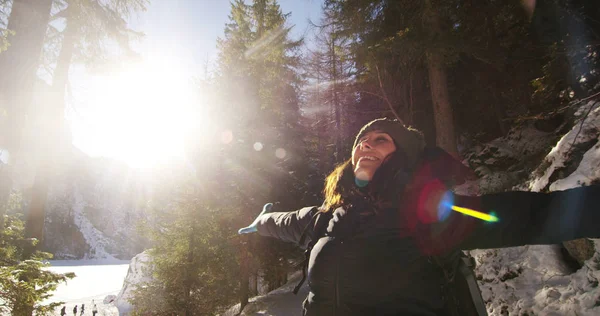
141, 115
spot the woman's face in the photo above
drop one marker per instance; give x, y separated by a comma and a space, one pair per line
370, 153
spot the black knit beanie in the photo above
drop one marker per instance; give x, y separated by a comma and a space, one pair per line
410, 140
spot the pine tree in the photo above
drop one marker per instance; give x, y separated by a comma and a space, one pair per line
258, 65
439, 62
567, 30
419, 27
330, 74
24, 283
257, 54
193, 259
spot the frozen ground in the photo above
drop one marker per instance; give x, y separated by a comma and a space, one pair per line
95, 280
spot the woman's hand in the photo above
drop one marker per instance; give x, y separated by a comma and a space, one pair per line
252, 227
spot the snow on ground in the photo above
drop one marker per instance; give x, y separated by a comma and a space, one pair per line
281, 301
532, 280
95, 280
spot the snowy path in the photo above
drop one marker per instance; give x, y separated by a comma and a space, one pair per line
94, 281
281, 301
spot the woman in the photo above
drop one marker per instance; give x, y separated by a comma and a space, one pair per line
390, 219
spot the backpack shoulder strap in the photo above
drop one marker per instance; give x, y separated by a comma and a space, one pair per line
460, 289
466, 266
313, 227
317, 227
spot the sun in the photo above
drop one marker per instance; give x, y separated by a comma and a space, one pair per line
140, 114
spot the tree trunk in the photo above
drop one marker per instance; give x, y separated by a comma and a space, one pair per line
19, 63
442, 110
411, 108
34, 225
187, 286
253, 283
61, 72
52, 132
336, 104
244, 276
5, 188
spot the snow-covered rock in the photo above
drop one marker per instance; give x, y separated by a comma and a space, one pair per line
536, 280
109, 299
581, 139
504, 162
136, 274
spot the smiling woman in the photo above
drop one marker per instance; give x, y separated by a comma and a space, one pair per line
141, 114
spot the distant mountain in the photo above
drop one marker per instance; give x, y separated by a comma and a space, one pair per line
92, 210
95, 205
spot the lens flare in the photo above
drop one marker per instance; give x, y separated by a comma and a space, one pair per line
226, 136
476, 214
447, 204
280, 153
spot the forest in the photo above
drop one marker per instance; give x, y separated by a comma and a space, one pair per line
277, 114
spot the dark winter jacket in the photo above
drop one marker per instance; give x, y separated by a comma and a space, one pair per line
378, 262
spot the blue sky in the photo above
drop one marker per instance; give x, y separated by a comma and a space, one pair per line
187, 30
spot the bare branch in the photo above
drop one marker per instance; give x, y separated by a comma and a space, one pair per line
387, 100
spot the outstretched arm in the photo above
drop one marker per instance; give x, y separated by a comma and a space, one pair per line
252, 227
286, 226
530, 218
